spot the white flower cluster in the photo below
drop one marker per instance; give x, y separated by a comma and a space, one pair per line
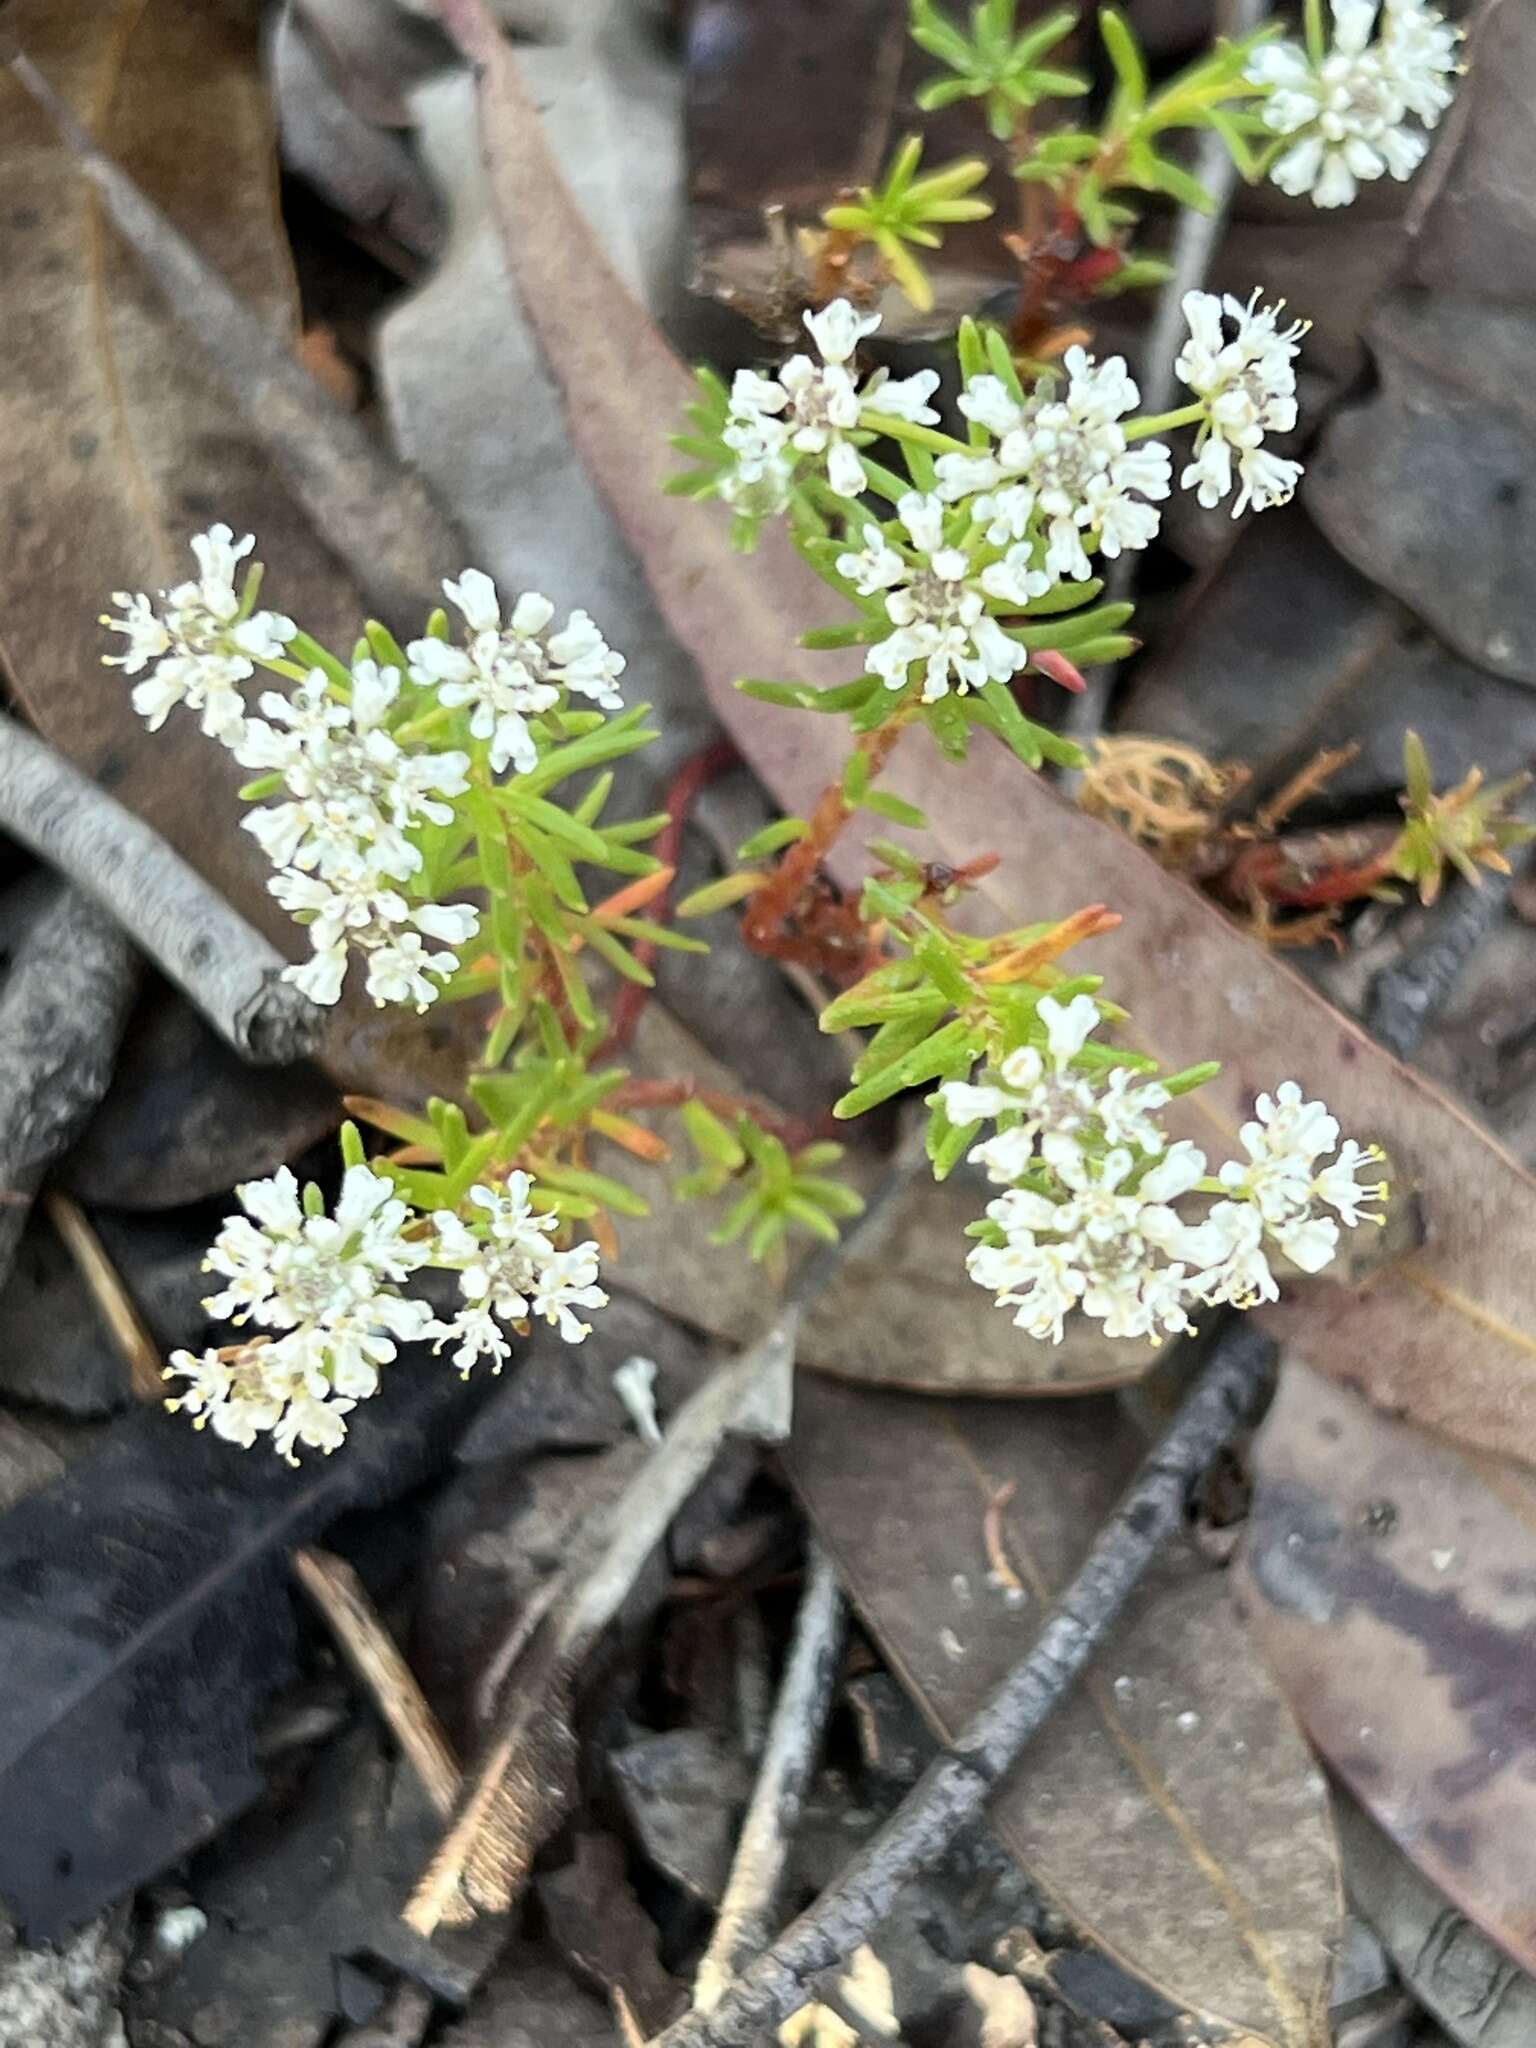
323, 1291
812, 408
1063, 472
204, 639
936, 599
505, 674
324, 1295
1061, 464
1087, 1218
356, 780
1349, 114
1248, 387
338, 840
508, 1271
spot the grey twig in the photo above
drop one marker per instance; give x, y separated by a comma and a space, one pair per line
63, 1006
745, 1926
1194, 243
374, 513
1403, 1000
955, 1788
515, 1793
222, 964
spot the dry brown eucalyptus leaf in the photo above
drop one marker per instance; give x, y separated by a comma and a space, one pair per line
1449, 1332
1170, 1805
1391, 1583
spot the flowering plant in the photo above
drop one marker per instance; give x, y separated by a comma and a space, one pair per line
1351, 102
431, 810
426, 810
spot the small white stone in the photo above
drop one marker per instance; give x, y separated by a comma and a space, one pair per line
178, 1927
1187, 1722
1442, 1560
951, 1645
635, 1384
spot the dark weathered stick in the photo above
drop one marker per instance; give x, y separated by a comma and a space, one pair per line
1402, 1001
222, 964
372, 512
511, 1797
955, 1788
745, 1926
63, 1006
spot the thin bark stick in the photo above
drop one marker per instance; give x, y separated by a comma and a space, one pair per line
220, 963
1195, 237
1403, 1001
376, 1662
957, 1785
374, 513
63, 1006
744, 1926
131, 1336
516, 1791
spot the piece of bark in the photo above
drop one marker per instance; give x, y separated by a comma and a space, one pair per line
221, 963
145, 1617
63, 1005
186, 1118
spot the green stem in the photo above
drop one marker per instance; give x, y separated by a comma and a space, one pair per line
1164, 422
908, 430
292, 670
1316, 33
418, 728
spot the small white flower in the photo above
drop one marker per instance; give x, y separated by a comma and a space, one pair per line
508, 673
811, 408
838, 329
1419, 54
404, 971
201, 648
1240, 1274
1038, 1281
1248, 387
1339, 1186
1037, 1092
319, 1424
1062, 465
1308, 1241
1068, 1027
1348, 113
509, 1268
934, 601
324, 1291
353, 791
1181, 1167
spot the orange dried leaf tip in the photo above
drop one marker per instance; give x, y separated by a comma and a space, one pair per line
634, 895
632, 1137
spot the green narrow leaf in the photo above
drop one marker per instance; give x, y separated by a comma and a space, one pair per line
886, 805
782, 832
1126, 57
